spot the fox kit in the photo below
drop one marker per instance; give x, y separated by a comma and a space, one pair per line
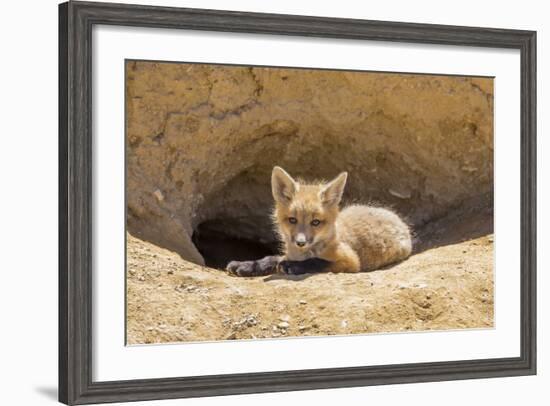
319, 237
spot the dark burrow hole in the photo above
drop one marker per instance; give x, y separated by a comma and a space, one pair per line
218, 247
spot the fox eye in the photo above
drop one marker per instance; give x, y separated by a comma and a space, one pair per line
315, 222
292, 220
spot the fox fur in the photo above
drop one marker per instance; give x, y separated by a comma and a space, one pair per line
317, 236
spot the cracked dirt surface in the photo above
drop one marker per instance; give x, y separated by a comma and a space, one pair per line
171, 300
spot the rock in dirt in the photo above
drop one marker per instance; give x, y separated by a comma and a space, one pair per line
283, 325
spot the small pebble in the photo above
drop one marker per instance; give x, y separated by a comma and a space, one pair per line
283, 325
158, 194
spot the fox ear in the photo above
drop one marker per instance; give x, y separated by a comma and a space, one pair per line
282, 185
332, 192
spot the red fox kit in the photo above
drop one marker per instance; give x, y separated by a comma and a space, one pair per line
318, 236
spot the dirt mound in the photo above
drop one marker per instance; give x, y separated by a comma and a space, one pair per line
170, 299
202, 141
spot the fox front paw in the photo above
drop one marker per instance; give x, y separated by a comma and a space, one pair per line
260, 267
291, 268
241, 268
311, 265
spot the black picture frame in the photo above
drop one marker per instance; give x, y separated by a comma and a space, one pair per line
76, 20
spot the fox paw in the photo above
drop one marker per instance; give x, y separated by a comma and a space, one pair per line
311, 265
291, 268
240, 268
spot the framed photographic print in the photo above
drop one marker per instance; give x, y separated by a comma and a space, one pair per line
259, 202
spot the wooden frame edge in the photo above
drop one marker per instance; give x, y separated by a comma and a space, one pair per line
75, 353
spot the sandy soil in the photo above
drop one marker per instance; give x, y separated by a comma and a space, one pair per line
170, 299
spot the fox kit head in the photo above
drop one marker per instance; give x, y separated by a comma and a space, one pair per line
305, 213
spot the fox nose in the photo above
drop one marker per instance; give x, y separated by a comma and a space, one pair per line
300, 240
